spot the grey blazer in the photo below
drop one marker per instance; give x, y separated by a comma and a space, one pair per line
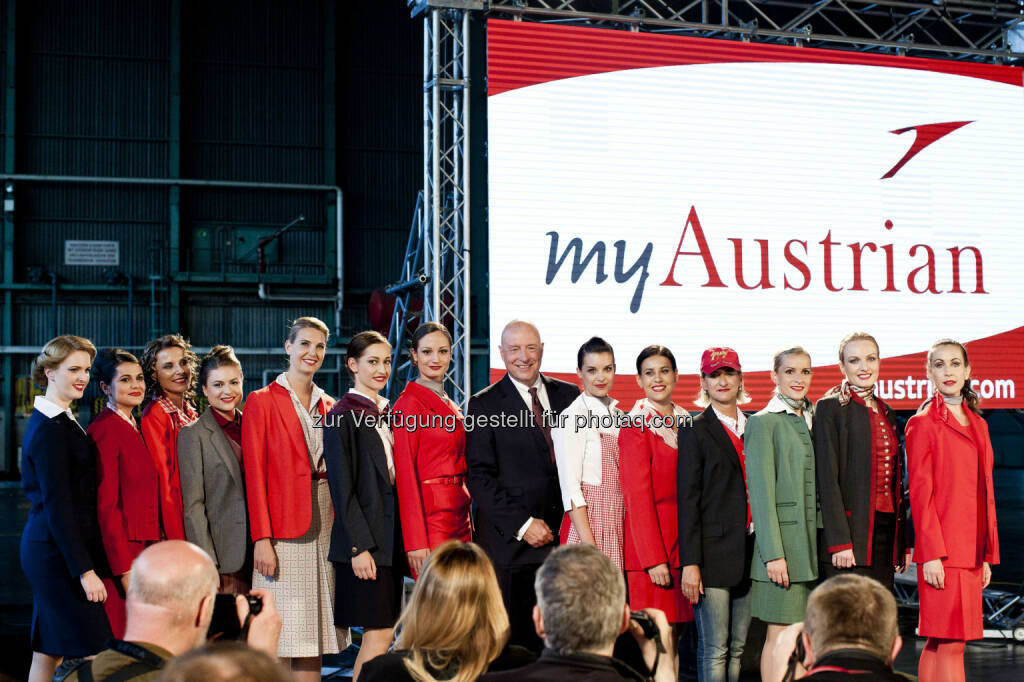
213, 493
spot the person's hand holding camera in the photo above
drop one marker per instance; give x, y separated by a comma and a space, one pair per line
265, 626
668, 665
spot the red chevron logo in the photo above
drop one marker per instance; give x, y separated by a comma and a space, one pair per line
926, 134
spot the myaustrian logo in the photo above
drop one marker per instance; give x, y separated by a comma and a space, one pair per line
915, 271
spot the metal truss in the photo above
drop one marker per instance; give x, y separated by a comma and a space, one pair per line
955, 29
445, 211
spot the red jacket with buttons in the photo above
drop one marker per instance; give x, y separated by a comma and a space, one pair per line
278, 475
949, 464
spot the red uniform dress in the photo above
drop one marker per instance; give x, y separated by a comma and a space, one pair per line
161, 421
430, 469
954, 511
648, 458
127, 505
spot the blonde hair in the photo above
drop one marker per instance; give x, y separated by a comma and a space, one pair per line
456, 615
301, 323
703, 399
856, 336
57, 351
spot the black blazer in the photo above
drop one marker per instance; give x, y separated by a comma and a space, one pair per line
511, 473
712, 503
365, 508
844, 467
58, 472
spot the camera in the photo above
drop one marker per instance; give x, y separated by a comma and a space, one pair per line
650, 628
225, 625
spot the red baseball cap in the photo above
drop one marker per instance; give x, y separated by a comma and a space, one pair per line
717, 358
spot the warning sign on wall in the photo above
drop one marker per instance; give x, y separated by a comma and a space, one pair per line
91, 252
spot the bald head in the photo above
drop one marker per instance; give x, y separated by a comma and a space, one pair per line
521, 351
174, 574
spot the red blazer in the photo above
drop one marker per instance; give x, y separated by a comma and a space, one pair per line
434, 512
278, 477
647, 474
128, 502
161, 433
943, 466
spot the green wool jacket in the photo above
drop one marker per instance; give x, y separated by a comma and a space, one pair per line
784, 506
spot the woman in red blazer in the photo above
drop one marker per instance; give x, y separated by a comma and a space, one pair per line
430, 452
648, 458
170, 369
949, 459
128, 499
290, 512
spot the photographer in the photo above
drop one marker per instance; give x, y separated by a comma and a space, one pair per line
169, 607
849, 633
581, 611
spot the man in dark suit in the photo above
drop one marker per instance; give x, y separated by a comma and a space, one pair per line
511, 471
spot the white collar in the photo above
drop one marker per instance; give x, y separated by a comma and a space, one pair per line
735, 424
381, 402
596, 404
523, 388
49, 408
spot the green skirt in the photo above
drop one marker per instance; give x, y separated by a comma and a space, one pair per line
773, 604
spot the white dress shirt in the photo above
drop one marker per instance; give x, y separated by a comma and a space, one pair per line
578, 450
542, 395
386, 436
735, 425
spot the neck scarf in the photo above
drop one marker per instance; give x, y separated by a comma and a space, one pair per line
357, 402
846, 391
803, 404
666, 432
952, 399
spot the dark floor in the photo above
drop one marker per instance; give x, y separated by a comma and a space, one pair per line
989, 660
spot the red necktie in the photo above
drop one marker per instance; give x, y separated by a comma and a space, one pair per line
538, 416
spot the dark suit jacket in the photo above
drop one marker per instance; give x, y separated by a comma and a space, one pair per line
845, 471
58, 472
365, 508
511, 473
555, 667
712, 503
213, 493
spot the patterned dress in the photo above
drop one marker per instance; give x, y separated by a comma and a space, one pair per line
605, 510
304, 586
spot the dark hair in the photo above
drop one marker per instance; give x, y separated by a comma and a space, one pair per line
652, 351
971, 398
428, 328
219, 356
104, 367
57, 351
593, 345
148, 362
359, 343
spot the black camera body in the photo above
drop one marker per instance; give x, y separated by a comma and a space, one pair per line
225, 625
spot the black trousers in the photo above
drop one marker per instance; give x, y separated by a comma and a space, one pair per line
516, 583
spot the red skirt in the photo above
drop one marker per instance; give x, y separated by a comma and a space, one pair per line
447, 509
954, 612
644, 594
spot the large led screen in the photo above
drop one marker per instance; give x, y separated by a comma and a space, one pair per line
689, 192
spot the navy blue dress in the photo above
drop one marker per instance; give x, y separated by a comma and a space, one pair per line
61, 540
